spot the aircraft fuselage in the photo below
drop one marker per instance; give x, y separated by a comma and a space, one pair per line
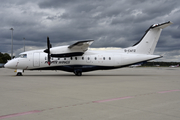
89, 61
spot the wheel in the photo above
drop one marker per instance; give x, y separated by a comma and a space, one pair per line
78, 72
19, 74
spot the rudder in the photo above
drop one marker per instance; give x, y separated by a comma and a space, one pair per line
149, 41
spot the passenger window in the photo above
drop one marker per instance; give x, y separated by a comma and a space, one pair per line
58, 58
75, 58
103, 58
82, 58
95, 58
109, 58
88, 58
45, 58
64, 58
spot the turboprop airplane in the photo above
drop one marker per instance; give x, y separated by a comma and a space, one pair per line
77, 58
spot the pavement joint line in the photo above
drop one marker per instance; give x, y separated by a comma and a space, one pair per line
99, 101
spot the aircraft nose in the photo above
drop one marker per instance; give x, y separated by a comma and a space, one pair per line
10, 64
7, 65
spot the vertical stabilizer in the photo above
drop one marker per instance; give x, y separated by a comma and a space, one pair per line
149, 41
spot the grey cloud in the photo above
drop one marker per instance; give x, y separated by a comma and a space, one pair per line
56, 3
115, 23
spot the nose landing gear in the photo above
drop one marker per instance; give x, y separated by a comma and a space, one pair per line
19, 72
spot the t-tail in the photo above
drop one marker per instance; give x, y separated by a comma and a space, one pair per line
148, 42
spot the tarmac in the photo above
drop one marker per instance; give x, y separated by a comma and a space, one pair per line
126, 94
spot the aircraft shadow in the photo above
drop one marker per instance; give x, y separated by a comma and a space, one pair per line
84, 75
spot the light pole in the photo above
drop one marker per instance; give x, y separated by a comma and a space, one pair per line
12, 43
24, 44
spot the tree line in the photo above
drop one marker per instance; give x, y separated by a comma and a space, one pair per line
161, 63
4, 57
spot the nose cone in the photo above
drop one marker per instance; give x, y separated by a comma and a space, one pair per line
7, 65
10, 64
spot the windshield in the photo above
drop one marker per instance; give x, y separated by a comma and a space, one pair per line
23, 55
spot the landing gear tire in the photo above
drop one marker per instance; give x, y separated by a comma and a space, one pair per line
78, 73
19, 74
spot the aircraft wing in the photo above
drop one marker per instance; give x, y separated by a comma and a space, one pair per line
76, 49
81, 45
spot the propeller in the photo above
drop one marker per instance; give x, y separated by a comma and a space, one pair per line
48, 51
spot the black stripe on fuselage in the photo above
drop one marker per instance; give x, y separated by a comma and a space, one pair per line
72, 68
86, 68
68, 54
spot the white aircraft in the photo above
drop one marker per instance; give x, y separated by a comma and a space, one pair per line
77, 58
174, 66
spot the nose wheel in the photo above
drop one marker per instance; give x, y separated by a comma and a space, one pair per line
19, 74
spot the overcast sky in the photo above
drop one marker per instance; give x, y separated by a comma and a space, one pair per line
110, 23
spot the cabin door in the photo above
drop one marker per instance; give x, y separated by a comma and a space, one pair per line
36, 59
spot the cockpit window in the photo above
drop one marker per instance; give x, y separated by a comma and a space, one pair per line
23, 56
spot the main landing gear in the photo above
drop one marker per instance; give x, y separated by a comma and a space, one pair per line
78, 72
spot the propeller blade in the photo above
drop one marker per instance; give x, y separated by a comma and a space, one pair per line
49, 59
48, 51
48, 46
48, 43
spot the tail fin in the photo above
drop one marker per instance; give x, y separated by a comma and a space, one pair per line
149, 41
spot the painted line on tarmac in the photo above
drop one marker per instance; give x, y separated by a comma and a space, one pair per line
19, 114
168, 91
99, 101
107, 100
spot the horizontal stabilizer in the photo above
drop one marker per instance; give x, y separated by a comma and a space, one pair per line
161, 26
